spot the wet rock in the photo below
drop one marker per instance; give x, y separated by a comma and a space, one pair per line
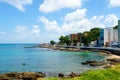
29, 78
40, 74
96, 63
88, 62
108, 66
28, 74
93, 63
84, 63
61, 75
22, 76
4, 77
13, 74
73, 74
23, 64
114, 60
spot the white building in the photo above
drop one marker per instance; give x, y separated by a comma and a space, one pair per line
119, 32
110, 36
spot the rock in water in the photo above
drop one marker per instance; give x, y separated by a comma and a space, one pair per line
23, 64
61, 75
73, 74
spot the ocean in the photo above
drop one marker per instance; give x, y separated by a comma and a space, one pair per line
16, 58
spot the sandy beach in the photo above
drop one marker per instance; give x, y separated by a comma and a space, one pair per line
112, 56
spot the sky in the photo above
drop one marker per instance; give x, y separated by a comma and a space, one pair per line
39, 21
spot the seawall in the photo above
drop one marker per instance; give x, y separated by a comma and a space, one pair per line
115, 51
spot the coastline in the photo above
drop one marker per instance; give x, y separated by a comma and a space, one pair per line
40, 75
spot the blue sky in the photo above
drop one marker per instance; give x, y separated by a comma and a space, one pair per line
39, 21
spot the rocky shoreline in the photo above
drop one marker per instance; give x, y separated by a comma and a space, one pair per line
22, 76
32, 75
103, 64
110, 61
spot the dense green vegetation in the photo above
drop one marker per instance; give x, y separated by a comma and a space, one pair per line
52, 42
103, 74
86, 38
64, 40
89, 36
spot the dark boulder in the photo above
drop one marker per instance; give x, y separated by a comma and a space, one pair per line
61, 75
73, 74
23, 64
88, 62
114, 60
84, 63
96, 64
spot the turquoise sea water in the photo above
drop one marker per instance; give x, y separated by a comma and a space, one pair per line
12, 56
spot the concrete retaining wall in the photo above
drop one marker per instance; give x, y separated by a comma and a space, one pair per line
111, 50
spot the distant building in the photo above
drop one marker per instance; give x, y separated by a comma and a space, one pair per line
75, 37
101, 39
79, 37
110, 36
115, 36
119, 33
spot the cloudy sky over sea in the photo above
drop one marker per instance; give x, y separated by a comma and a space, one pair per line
39, 21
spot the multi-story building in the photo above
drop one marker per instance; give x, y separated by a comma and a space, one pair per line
119, 33
115, 36
110, 36
75, 37
101, 39
79, 37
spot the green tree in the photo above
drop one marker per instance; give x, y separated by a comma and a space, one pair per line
52, 42
115, 27
94, 34
75, 42
61, 39
67, 41
64, 40
86, 38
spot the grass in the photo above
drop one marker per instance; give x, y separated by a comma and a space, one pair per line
103, 74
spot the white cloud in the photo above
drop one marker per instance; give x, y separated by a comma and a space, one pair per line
20, 4
36, 30
114, 3
21, 29
54, 5
77, 15
50, 26
111, 20
2, 33
76, 26
24, 32
77, 22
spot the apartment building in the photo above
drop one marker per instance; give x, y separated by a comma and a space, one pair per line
110, 36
